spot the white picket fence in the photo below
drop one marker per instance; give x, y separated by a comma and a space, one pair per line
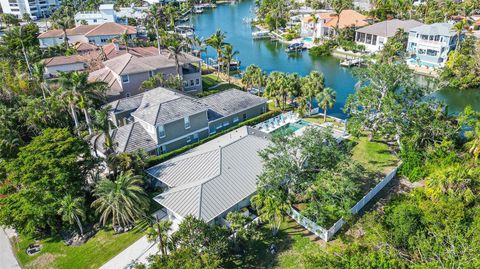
325, 234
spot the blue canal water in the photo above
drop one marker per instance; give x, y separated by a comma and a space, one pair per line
270, 56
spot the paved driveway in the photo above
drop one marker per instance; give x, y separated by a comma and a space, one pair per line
7, 258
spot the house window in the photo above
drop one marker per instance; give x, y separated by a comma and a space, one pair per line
185, 84
263, 109
186, 121
125, 79
212, 130
219, 126
104, 40
162, 149
189, 139
195, 136
192, 83
432, 52
421, 51
225, 124
235, 119
128, 94
161, 131
197, 81
150, 73
94, 20
244, 116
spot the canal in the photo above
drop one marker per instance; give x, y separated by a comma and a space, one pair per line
270, 56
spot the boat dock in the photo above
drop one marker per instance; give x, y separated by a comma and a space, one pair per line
352, 62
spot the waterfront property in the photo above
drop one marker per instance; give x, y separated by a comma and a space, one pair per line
162, 120
429, 45
107, 13
322, 25
36, 9
125, 73
97, 34
218, 177
375, 36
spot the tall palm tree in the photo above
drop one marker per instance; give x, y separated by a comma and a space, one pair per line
17, 33
160, 230
64, 23
274, 87
79, 92
217, 41
102, 123
339, 6
153, 18
326, 99
124, 38
121, 201
175, 45
73, 210
271, 207
312, 85
38, 70
228, 55
459, 27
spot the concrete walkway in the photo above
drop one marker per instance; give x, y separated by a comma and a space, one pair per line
7, 258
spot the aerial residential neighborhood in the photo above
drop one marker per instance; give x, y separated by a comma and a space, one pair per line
239, 134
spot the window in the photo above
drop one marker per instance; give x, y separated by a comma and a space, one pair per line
421, 51
125, 79
94, 20
244, 116
264, 109
150, 73
189, 139
235, 119
161, 131
128, 94
197, 81
212, 130
225, 124
103, 40
432, 52
185, 84
162, 149
195, 136
192, 83
219, 126
374, 40
186, 121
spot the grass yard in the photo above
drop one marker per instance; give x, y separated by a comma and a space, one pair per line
211, 80
319, 120
93, 254
375, 156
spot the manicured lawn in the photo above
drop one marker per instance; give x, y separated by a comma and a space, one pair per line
319, 120
210, 80
375, 156
93, 254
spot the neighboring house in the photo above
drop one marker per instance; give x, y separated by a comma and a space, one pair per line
429, 45
97, 34
58, 64
218, 177
374, 36
162, 120
324, 24
107, 13
36, 8
125, 73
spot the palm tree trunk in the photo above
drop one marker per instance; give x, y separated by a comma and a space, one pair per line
65, 38
325, 114
218, 65
158, 39
79, 225
89, 122
75, 119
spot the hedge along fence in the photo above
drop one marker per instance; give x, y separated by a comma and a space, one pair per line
154, 160
325, 234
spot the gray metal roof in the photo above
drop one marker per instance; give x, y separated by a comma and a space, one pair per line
389, 28
229, 102
128, 138
443, 29
207, 183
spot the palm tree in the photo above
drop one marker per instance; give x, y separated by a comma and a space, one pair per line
326, 99
154, 13
102, 123
459, 27
79, 92
121, 201
175, 45
274, 87
339, 6
72, 210
160, 231
124, 38
17, 33
217, 41
38, 70
228, 55
64, 23
271, 207
312, 85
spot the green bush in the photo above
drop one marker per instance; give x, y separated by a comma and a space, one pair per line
154, 160
324, 49
413, 163
351, 46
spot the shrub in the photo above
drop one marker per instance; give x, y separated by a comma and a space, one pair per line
154, 160
324, 49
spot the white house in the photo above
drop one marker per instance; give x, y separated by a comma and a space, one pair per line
58, 64
213, 179
429, 45
374, 36
107, 13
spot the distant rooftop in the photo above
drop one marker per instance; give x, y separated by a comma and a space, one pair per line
389, 28
443, 29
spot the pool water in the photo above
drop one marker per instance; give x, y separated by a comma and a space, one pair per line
308, 40
291, 127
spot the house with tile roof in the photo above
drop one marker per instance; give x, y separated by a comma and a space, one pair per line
375, 36
70, 63
429, 45
322, 25
125, 74
218, 177
161, 120
100, 34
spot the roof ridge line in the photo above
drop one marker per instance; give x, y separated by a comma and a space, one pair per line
94, 28
125, 66
128, 137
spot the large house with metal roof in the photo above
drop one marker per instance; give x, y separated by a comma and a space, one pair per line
162, 120
375, 36
125, 74
97, 34
213, 179
429, 45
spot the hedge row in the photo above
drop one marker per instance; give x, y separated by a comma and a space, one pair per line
154, 160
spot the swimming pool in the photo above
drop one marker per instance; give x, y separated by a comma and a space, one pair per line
291, 128
308, 40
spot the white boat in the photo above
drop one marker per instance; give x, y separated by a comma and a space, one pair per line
261, 34
295, 47
198, 10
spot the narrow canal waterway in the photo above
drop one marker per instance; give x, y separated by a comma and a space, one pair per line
270, 56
